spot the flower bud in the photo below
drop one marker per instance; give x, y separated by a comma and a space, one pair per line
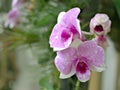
100, 24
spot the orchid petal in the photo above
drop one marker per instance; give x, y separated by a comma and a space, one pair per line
56, 41
98, 69
71, 16
12, 18
68, 54
83, 77
16, 3
87, 49
93, 53
65, 59
60, 17
97, 59
70, 19
64, 76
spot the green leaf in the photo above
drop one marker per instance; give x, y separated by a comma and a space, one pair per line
46, 84
117, 5
45, 20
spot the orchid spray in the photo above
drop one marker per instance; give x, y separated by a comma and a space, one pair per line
77, 54
13, 15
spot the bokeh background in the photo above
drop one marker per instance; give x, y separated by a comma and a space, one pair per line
26, 60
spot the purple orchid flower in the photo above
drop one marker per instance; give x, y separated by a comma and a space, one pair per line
12, 18
13, 14
66, 30
88, 56
16, 3
100, 24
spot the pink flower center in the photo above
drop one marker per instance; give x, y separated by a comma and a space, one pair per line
98, 28
82, 67
65, 35
73, 30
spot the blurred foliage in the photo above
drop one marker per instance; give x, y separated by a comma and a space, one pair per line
5, 6
39, 17
117, 5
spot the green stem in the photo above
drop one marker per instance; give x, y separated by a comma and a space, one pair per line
87, 33
77, 85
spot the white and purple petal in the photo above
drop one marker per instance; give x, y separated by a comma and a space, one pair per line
64, 60
63, 66
69, 17
87, 49
91, 53
98, 69
97, 60
16, 3
60, 39
70, 21
64, 76
12, 18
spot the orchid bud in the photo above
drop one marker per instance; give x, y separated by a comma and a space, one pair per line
100, 24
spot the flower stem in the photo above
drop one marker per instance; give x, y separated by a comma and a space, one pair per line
87, 33
77, 85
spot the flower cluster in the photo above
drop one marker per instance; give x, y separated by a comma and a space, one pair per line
76, 54
13, 14
100, 26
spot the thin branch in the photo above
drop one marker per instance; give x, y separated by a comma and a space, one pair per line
87, 33
77, 85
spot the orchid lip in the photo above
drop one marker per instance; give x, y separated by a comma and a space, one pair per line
98, 28
65, 35
73, 30
81, 67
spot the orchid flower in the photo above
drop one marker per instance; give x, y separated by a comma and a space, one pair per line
16, 3
88, 56
12, 18
100, 24
13, 15
66, 30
